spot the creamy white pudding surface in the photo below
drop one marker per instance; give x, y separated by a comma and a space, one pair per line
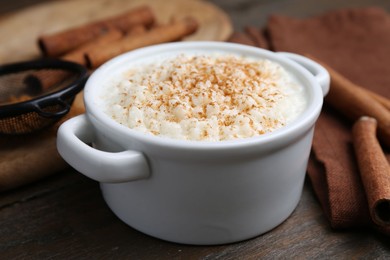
211, 97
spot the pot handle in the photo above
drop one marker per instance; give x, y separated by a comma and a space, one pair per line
72, 138
319, 72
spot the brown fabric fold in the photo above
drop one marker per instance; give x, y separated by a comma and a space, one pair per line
334, 173
355, 42
258, 36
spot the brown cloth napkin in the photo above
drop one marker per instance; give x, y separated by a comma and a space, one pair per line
356, 43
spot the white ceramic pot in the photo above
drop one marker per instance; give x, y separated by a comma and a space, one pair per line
195, 192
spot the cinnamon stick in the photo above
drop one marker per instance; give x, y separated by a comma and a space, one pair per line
43, 80
374, 169
354, 101
381, 99
164, 33
242, 38
59, 43
136, 30
77, 55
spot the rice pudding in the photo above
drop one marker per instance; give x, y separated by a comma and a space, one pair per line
210, 97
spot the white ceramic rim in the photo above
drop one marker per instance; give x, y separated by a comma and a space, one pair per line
294, 129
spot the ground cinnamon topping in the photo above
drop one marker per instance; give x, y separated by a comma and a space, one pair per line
206, 97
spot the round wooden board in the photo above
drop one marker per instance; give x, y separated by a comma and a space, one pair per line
19, 31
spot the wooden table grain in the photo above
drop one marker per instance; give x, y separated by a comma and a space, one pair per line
65, 217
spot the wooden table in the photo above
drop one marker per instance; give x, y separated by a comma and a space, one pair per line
64, 216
